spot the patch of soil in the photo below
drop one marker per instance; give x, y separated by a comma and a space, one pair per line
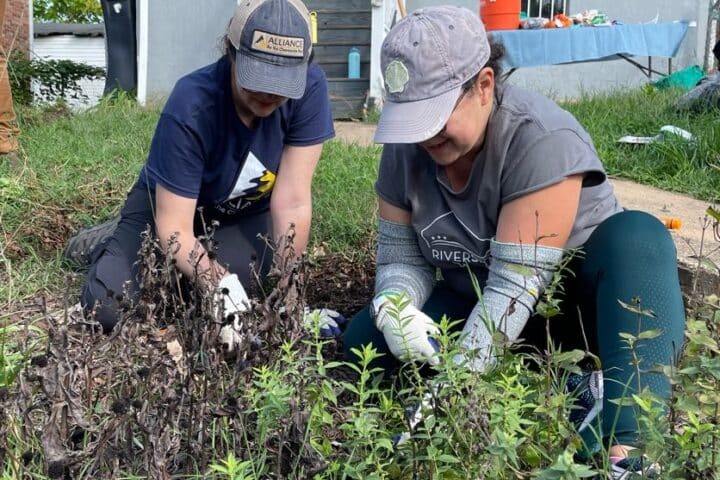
49, 228
340, 283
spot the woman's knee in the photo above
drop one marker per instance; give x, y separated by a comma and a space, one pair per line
108, 281
636, 233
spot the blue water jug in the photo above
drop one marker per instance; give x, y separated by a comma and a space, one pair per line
354, 63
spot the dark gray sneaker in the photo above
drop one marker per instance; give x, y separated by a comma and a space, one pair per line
635, 467
588, 391
80, 246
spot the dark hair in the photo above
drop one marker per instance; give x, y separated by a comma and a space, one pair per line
497, 52
229, 50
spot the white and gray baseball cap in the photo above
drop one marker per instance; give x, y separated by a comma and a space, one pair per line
272, 40
425, 60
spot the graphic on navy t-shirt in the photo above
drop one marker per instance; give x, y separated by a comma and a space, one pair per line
202, 150
254, 183
448, 244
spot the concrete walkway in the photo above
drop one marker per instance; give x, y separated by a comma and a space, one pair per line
632, 195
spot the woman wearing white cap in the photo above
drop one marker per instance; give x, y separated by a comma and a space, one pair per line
477, 176
240, 138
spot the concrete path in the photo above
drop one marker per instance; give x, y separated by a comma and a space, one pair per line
631, 195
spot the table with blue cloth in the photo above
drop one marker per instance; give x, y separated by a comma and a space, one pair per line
555, 46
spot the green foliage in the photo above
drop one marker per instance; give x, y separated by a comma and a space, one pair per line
232, 469
56, 79
67, 11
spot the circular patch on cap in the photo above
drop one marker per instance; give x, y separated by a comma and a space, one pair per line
396, 76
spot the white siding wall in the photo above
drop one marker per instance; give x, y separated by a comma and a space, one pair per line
88, 50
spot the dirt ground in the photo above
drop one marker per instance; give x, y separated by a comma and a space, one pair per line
632, 195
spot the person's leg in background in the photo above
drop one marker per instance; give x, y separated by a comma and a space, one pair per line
8, 126
631, 256
362, 331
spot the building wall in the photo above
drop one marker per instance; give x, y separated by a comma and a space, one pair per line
411, 5
176, 37
16, 26
572, 81
88, 50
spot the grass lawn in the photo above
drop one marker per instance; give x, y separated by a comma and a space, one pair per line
161, 408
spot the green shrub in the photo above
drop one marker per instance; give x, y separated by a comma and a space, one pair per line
56, 78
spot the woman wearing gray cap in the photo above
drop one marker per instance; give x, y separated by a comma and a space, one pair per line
477, 176
240, 138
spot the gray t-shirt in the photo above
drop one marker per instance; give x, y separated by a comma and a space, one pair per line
530, 143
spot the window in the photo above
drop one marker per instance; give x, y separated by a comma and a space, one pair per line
545, 8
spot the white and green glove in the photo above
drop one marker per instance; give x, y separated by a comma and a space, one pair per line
408, 332
232, 301
329, 322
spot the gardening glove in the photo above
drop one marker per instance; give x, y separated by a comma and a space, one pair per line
231, 335
328, 320
232, 300
408, 332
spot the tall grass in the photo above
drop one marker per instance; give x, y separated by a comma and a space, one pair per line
676, 165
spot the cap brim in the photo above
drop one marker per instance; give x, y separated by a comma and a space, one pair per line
258, 76
414, 122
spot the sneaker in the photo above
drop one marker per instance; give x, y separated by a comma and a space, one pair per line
80, 246
634, 467
588, 391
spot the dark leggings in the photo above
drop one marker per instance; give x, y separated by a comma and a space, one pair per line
114, 265
630, 255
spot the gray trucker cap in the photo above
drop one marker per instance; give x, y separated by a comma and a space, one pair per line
272, 39
425, 60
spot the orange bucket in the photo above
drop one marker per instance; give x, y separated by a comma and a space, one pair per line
500, 14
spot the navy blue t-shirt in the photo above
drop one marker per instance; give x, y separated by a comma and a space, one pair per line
202, 150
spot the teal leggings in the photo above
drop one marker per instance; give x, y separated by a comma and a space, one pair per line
630, 255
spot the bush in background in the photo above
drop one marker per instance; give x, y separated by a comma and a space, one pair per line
55, 78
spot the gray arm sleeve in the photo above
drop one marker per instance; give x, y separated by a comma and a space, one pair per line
517, 276
401, 266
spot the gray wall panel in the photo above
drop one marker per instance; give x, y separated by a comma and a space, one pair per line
571, 81
183, 35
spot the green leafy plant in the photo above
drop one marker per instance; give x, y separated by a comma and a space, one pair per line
55, 79
67, 11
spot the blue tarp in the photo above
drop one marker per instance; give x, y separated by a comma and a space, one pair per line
529, 48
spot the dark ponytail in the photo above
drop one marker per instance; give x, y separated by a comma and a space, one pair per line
497, 52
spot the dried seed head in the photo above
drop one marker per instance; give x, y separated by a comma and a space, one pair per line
39, 361
56, 469
120, 406
77, 435
27, 457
